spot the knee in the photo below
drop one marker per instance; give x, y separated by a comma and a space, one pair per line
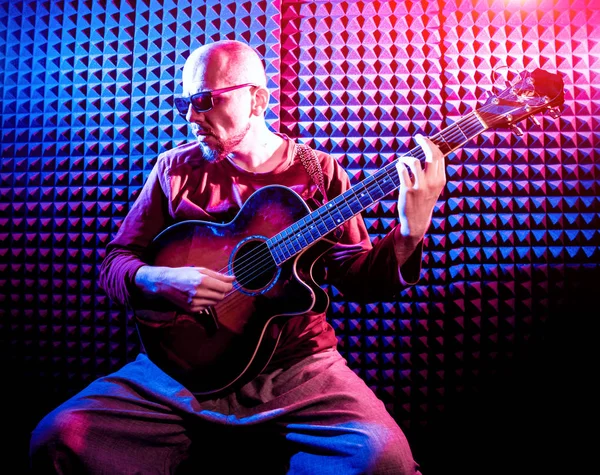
383, 450
390, 453
60, 433
352, 448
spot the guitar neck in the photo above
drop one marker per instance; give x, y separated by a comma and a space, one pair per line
297, 237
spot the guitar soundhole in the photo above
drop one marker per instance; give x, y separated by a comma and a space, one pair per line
253, 266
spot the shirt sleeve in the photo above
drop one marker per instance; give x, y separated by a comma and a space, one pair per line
359, 270
124, 254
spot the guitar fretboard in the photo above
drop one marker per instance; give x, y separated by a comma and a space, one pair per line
356, 199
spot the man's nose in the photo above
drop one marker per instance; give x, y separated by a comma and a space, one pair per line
192, 115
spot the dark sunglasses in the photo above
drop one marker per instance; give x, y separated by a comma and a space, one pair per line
203, 101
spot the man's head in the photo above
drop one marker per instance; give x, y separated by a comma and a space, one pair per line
235, 115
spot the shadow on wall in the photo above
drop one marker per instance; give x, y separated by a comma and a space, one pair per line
531, 417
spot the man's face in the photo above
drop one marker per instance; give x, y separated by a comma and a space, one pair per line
220, 130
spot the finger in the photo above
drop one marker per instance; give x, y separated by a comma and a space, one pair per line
211, 284
414, 165
424, 144
438, 155
200, 304
213, 280
199, 308
210, 295
441, 166
405, 179
430, 149
217, 275
439, 163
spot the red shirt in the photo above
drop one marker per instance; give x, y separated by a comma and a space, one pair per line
184, 186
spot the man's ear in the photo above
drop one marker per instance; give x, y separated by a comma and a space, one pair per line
261, 100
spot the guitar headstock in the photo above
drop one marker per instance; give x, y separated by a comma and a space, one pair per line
533, 93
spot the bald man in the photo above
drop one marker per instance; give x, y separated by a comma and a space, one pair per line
305, 411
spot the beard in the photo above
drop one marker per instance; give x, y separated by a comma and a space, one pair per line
218, 150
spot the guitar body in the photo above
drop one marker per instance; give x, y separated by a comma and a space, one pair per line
234, 340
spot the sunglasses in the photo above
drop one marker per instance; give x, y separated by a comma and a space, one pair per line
203, 101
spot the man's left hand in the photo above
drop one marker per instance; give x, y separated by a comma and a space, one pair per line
420, 192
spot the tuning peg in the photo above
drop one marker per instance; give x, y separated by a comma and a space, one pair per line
554, 113
535, 120
490, 96
517, 130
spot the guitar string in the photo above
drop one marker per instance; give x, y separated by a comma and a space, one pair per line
419, 151
454, 134
265, 255
305, 232
261, 262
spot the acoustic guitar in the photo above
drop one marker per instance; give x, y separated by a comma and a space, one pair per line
270, 247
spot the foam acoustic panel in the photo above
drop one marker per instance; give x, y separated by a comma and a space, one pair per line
86, 93
360, 79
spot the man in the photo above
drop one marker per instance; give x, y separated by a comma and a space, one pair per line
306, 412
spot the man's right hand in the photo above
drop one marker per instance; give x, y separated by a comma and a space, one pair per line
192, 289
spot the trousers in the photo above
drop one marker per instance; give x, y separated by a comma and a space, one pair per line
315, 417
